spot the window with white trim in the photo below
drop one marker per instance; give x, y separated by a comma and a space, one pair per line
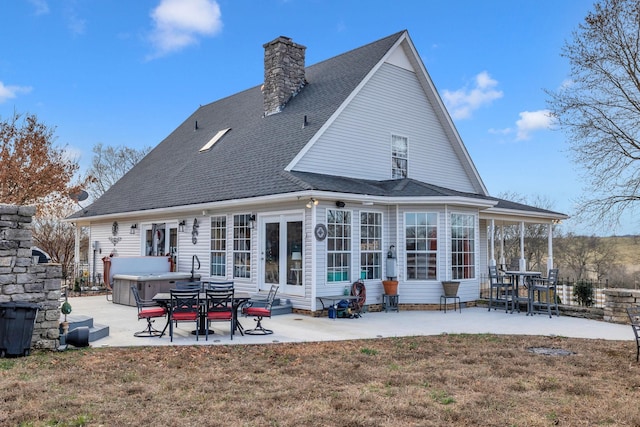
242, 246
338, 245
421, 245
219, 246
399, 156
463, 232
371, 245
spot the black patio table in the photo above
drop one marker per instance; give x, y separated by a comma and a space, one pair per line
239, 299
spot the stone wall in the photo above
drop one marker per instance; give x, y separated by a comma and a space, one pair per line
284, 73
616, 303
20, 280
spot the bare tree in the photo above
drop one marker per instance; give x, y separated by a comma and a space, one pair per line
109, 164
600, 107
586, 257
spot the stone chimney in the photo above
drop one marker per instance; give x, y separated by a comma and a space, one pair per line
283, 73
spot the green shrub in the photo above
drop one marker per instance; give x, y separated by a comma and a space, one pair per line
583, 293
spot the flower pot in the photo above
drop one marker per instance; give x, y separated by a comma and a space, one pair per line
450, 288
390, 287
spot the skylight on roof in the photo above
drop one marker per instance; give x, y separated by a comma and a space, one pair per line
215, 139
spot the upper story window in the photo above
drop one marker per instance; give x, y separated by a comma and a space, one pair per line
399, 156
421, 245
338, 245
463, 232
219, 246
242, 246
371, 244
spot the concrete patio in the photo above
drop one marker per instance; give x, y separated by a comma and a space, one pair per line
122, 322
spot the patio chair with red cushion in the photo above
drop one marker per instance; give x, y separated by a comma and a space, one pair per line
150, 311
260, 310
185, 307
220, 307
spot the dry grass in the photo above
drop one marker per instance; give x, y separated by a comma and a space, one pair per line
472, 380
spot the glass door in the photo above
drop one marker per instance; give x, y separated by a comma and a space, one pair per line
282, 254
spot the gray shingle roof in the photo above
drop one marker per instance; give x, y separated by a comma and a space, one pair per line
249, 160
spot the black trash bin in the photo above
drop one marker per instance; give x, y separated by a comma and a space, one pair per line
17, 319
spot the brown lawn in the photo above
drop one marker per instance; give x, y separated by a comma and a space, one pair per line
463, 380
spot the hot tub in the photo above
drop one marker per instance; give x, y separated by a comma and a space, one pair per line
148, 285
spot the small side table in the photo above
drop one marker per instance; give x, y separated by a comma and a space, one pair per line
390, 302
454, 298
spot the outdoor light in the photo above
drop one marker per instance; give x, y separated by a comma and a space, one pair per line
252, 220
312, 202
181, 225
133, 228
340, 204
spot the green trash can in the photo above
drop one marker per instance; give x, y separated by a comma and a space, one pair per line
17, 319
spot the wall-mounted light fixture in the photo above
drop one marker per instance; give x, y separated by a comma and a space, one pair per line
252, 220
133, 228
340, 204
181, 225
312, 202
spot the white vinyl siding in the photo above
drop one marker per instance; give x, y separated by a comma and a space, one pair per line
392, 102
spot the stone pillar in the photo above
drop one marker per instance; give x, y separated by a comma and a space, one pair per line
21, 280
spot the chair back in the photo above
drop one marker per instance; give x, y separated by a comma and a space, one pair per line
140, 303
494, 277
552, 278
272, 296
219, 285
184, 301
219, 299
192, 286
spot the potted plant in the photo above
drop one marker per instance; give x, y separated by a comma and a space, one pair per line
450, 288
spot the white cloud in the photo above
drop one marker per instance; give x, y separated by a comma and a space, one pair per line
505, 131
179, 23
463, 102
41, 6
531, 121
10, 92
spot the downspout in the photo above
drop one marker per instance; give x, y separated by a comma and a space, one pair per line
550, 243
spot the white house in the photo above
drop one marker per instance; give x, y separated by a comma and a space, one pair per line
308, 181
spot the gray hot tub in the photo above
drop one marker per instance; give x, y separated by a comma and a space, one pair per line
148, 285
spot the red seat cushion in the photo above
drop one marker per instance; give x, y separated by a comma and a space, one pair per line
184, 316
152, 312
257, 311
219, 315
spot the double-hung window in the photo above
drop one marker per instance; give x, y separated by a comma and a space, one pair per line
399, 156
338, 245
371, 244
242, 246
421, 245
463, 233
219, 246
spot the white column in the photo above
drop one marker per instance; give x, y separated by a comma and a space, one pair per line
523, 261
550, 243
492, 231
76, 253
502, 260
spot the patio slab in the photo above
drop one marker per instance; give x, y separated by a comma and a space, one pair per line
122, 322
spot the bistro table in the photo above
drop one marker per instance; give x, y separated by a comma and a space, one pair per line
239, 299
526, 282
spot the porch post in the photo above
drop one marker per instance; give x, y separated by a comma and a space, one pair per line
492, 230
76, 253
550, 243
523, 261
502, 260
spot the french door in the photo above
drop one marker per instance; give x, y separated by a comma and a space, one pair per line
281, 253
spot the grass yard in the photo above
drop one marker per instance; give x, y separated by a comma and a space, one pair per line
462, 380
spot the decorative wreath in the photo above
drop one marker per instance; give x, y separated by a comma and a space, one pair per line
358, 289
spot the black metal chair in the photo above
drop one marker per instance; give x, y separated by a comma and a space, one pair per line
148, 310
213, 284
502, 288
260, 312
185, 307
220, 307
543, 293
634, 316
192, 286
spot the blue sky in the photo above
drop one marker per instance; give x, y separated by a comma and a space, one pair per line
129, 72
